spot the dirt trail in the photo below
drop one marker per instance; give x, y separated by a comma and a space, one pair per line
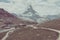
58, 31
11, 30
7, 34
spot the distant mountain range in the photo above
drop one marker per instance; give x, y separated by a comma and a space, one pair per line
29, 14
51, 17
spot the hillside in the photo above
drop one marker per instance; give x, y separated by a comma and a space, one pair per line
14, 28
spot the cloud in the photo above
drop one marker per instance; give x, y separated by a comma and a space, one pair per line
47, 7
42, 7
6, 1
15, 6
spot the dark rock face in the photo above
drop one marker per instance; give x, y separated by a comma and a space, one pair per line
13, 28
4, 13
6, 18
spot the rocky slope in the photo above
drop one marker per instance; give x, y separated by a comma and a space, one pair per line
54, 24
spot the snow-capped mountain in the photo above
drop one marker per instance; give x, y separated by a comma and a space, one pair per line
32, 9
31, 14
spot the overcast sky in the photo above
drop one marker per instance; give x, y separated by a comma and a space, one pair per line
43, 7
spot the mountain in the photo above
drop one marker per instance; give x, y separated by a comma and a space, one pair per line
31, 14
7, 18
14, 28
5, 14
